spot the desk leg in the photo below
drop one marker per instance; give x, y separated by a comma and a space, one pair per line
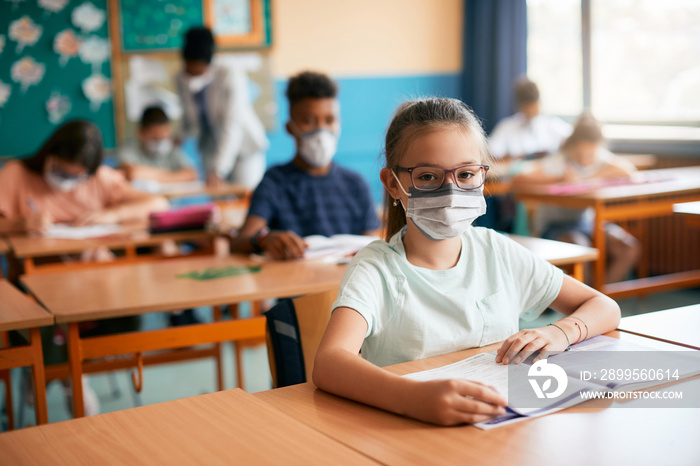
42, 416
599, 244
29, 267
578, 271
6, 376
75, 362
219, 362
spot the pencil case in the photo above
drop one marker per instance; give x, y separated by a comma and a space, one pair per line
194, 217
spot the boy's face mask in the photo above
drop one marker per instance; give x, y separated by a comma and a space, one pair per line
318, 146
444, 213
199, 82
159, 147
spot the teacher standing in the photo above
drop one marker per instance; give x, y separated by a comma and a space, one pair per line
218, 111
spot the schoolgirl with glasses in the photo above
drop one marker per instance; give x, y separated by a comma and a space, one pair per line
439, 285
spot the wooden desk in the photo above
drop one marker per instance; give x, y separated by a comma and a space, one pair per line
497, 187
559, 253
18, 312
28, 248
199, 188
585, 434
690, 211
630, 202
680, 326
130, 289
230, 427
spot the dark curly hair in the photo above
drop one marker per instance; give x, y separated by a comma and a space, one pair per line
153, 116
310, 84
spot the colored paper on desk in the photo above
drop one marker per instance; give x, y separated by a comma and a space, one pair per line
214, 273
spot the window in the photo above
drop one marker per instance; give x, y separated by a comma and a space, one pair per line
644, 59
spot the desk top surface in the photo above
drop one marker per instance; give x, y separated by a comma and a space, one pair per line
680, 325
683, 180
594, 434
130, 289
37, 246
556, 252
195, 188
229, 427
690, 208
18, 311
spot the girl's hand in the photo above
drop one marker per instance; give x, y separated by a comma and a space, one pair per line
452, 402
37, 222
520, 346
98, 217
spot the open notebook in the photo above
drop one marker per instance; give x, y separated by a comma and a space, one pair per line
337, 248
590, 369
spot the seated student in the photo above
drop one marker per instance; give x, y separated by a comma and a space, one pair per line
438, 284
525, 135
156, 157
583, 157
64, 182
310, 195
528, 133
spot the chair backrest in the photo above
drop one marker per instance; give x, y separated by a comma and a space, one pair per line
294, 331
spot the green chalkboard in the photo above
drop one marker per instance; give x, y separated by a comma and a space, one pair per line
24, 118
153, 25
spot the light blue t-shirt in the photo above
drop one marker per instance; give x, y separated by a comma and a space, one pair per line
414, 313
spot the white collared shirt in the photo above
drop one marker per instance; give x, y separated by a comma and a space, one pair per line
518, 137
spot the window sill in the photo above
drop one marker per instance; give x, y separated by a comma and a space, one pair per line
660, 140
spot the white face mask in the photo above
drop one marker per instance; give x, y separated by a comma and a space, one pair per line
61, 183
159, 147
587, 170
444, 213
318, 146
197, 83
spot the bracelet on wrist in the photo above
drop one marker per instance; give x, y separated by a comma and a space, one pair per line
568, 345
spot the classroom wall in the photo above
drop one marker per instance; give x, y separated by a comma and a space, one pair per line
381, 53
24, 118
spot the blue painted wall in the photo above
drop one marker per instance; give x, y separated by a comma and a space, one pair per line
366, 106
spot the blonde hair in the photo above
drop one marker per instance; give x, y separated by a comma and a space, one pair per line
586, 129
417, 117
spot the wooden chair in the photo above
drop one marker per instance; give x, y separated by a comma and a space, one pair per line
311, 314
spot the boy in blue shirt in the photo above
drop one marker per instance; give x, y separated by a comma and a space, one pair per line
310, 195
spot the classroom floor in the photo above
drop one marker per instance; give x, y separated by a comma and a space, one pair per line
166, 382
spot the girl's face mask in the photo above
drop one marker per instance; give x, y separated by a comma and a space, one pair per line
444, 213
62, 180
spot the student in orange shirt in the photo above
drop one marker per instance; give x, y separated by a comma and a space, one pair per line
64, 182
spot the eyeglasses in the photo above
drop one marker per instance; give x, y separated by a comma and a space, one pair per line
467, 177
